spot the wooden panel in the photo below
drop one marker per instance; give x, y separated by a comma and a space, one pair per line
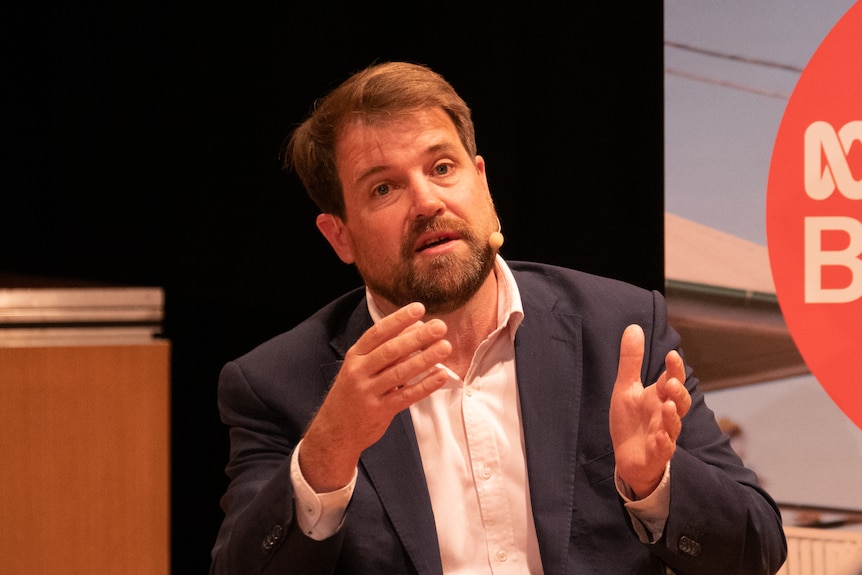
84, 478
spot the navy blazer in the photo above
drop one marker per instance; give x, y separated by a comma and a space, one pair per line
567, 349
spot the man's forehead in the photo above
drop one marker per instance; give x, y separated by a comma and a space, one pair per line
364, 149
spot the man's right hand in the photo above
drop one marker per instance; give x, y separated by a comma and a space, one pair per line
369, 390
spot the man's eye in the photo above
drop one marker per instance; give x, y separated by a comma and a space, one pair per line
381, 190
442, 169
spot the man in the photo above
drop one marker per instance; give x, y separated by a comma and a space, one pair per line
462, 414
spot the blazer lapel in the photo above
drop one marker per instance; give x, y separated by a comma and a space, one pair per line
548, 354
394, 466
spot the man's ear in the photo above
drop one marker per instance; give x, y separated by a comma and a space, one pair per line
336, 233
479, 161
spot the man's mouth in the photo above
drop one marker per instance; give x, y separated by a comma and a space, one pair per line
435, 240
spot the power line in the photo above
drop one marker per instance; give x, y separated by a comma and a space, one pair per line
734, 57
726, 84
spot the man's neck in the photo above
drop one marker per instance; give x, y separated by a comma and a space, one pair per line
469, 325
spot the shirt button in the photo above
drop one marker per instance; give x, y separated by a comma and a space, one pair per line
502, 556
486, 472
468, 391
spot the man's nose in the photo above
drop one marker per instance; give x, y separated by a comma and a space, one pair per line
427, 201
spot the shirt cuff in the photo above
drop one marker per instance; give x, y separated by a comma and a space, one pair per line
319, 515
649, 514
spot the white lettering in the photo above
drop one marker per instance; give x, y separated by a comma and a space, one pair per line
820, 180
816, 258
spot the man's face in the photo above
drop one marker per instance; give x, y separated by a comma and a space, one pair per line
418, 211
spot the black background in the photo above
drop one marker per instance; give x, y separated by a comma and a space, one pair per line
142, 147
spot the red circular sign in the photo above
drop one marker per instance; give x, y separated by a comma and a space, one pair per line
814, 214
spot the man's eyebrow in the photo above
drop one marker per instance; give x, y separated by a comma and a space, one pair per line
430, 151
369, 172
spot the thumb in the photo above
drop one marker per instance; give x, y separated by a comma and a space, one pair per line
631, 355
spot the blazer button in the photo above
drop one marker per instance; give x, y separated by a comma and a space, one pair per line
688, 546
271, 539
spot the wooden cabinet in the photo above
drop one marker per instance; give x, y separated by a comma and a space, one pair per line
84, 457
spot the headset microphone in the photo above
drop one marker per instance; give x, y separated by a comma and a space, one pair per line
495, 240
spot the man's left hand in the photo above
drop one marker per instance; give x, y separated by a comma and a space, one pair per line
645, 421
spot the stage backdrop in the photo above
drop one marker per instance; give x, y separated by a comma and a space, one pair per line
142, 145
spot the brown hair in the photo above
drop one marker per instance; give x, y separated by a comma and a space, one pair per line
373, 96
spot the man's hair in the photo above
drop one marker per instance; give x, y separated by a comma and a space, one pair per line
372, 96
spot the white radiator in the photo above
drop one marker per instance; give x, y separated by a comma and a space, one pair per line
813, 551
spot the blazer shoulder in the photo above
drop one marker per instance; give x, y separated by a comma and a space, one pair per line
566, 286
323, 336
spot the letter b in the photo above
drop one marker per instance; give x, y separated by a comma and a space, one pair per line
816, 258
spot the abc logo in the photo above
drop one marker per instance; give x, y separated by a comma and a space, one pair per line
814, 214
822, 142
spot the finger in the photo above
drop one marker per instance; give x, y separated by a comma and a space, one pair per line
631, 355
675, 384
674, 365
389, 327
409, 344
671, 421
414, 367
419, 388
681, 398
665, 446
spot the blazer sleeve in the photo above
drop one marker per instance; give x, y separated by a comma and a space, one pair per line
720, 520
259, 534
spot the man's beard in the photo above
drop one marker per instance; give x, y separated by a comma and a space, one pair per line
444, 283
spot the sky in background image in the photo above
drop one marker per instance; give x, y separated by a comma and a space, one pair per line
730, 68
